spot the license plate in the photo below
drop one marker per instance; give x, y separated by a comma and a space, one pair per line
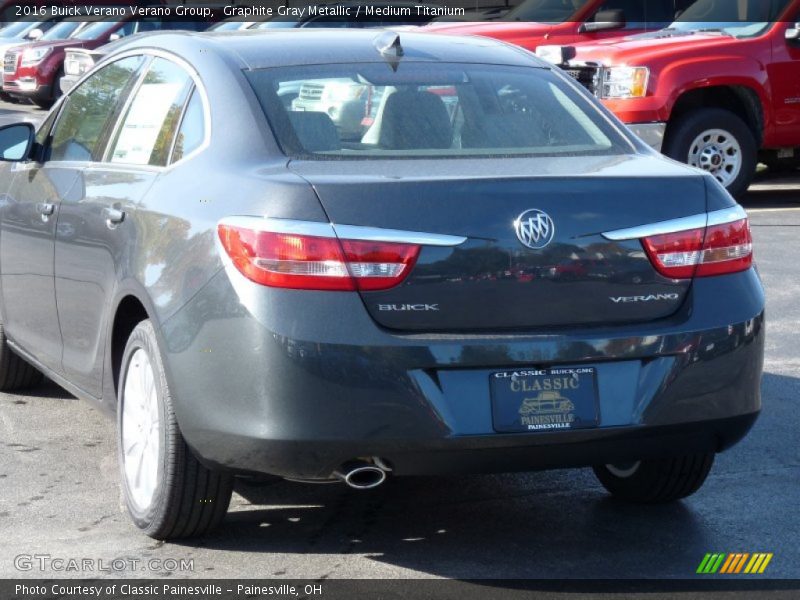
553, 399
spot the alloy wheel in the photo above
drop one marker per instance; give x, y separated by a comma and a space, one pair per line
141, 430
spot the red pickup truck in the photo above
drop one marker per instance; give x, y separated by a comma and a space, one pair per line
718, 89
536, 22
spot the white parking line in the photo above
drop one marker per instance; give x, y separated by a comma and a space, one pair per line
770, 210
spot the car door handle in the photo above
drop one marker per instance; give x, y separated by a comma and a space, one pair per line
114, 216
46, 208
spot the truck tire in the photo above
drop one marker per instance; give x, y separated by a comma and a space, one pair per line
718, 142
656, 481
15, 372
168, 492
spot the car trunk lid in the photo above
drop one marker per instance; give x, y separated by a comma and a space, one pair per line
493, 280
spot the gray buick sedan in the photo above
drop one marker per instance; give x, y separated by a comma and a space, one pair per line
490, 274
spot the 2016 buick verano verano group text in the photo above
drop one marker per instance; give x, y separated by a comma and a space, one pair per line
485, 273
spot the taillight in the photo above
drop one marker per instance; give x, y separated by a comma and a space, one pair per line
308, 262
714, 250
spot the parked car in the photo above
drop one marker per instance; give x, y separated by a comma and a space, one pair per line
536, 22
61, 31
719, 93
18, 33
34, 72
340, 316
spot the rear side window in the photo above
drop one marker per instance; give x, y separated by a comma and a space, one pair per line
430, 110
192, 131
90, 112
148, 128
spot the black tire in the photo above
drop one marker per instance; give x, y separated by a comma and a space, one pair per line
189, 499
57, 93
15, 372
44, 104
685, 129
656, 481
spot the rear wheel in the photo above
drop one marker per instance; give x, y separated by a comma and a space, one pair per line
656, 481
716, 141
169, 494
15, 372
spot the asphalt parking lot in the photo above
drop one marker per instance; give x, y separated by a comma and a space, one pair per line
59, 494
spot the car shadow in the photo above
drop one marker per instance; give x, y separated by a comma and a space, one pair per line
49, 390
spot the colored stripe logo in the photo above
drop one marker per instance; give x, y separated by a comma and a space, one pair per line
735, 563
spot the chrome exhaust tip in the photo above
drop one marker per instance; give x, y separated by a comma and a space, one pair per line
361, 475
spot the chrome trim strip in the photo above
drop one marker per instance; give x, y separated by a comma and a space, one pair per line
377, 234
318, 229
717, 217
350, 232
726, 215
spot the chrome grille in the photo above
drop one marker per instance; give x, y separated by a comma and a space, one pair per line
586, 76
10, 61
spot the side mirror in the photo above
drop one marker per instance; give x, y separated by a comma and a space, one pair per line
793, 33
114, 37
35, 34
605, 20
16, 142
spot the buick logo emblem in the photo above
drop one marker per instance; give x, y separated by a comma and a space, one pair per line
535, 228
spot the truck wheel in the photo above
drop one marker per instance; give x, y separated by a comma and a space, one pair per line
169, 494
15, 372
716, 141
656, 481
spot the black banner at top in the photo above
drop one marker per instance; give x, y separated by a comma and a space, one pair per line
593, 15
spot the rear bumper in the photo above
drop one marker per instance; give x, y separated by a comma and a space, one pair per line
315, 459
295, 384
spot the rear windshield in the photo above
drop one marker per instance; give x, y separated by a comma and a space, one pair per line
429, 110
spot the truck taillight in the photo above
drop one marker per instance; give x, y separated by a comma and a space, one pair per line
308, 262
714, 250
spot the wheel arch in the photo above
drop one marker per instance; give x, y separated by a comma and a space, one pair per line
741, 99
131, 307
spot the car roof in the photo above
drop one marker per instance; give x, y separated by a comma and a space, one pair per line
258, 49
